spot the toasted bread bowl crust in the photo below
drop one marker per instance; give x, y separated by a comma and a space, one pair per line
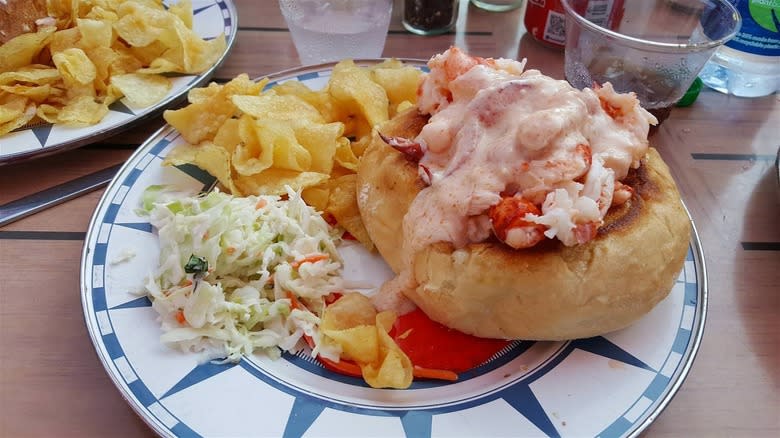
18, 17
548, 292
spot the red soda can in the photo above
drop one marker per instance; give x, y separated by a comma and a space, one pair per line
545, 19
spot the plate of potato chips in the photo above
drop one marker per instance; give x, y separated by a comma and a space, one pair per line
305, 129
89, 71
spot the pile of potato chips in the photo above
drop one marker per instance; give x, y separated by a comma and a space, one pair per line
257, 141
90, 53
362, 333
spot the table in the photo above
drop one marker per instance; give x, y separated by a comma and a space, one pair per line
721, 151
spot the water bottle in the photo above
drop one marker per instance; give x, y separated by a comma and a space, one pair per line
749, 64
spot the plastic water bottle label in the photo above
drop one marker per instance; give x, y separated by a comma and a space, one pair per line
760, 32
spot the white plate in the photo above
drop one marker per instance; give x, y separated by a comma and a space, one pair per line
612, 385
210, 18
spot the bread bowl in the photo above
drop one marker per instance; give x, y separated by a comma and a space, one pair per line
548, 291
20, 16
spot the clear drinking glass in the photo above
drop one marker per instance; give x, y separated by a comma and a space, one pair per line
654, 48
332, 30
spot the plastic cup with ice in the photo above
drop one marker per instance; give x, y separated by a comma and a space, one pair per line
332, 30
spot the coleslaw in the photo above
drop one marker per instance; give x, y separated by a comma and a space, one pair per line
227, 266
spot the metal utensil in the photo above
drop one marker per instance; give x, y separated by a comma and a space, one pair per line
58, 194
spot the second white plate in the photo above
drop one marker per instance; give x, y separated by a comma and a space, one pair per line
210, 18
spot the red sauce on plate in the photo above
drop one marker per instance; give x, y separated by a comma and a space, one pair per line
432, 345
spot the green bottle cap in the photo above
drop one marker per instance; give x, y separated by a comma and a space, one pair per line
692, 93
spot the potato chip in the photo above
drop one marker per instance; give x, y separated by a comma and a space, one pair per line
112, 95
278, 140
102, 14
31, 75
200, 121
183, 10
318, 99
345, 155
317, 197
79, 8
351, 310
103, 58
59, 9
271, 105
249, 158
362, 334
199, 54
76, 91
47, 112
395, 369
83, 110
125, 62
241, 84
342, 204
321, 141
266, 142
147, 55
354, 91
138, 25
359, 146
64, 39
360, 343
351, 323
389, 63
36, 93
142, 90
274, 181
11, 107
141, 25
198, 95
209, 157
400, 84
228, 136
171, 61
23, 49
160, 65
18, 120
74, 66
94, 33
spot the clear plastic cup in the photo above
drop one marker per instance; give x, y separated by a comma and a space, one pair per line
332, 30
654, 48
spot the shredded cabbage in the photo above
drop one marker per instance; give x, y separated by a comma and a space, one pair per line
226, 266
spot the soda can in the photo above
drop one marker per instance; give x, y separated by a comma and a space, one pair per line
546, 22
